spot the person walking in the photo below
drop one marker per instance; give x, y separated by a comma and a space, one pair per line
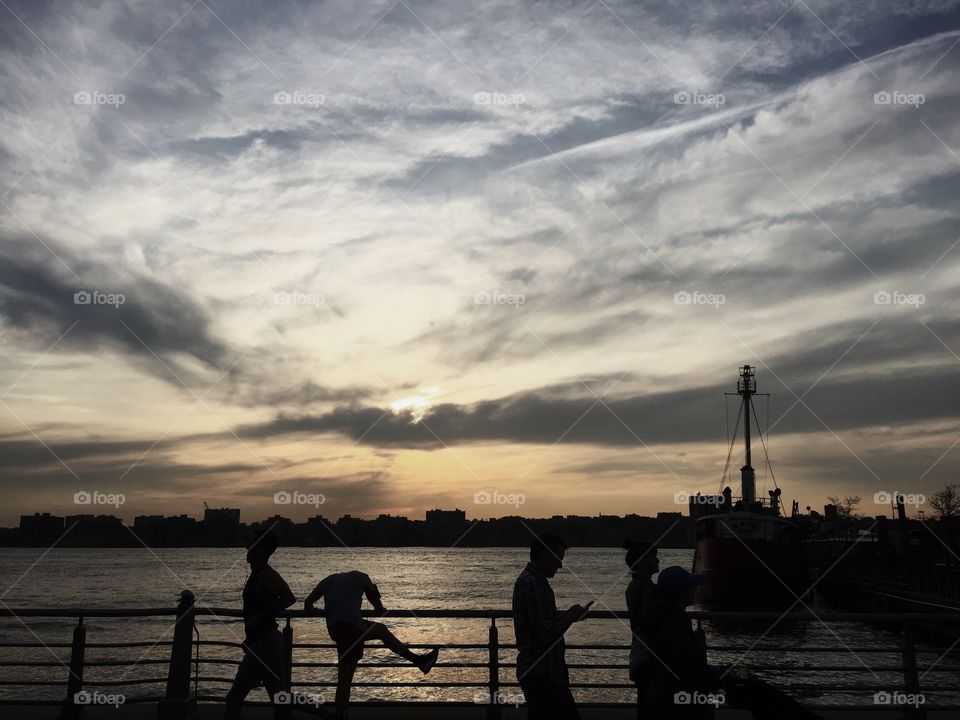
539, 628
265, 595
642, 599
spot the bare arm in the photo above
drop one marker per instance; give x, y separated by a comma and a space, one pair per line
314, 595
273, 585
563, 622
545, 624
373, 596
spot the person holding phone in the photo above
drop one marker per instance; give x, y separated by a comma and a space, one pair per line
539, 628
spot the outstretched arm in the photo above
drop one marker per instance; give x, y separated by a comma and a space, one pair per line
314, 595
373, 596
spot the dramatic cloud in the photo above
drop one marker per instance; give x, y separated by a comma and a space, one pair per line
409, 245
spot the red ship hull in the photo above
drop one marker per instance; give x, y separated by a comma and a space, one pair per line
749, 572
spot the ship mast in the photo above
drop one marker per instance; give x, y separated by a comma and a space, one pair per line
746, 388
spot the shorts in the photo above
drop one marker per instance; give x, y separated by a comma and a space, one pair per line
263, 664
349, 640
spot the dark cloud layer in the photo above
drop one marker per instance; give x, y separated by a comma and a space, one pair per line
39, 297
690, 415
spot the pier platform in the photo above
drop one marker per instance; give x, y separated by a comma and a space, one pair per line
417, 711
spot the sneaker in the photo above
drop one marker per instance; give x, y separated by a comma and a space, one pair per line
427, 661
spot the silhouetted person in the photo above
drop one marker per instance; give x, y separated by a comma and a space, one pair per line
539, 627
265, 594
682, 680
642, 600
342, 595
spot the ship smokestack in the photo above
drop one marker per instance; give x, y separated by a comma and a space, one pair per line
901, 509
748, 481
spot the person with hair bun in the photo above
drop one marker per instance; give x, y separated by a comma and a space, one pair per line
642, 598
265, 595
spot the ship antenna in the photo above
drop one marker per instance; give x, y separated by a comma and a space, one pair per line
766, 454
746, 389
731, 440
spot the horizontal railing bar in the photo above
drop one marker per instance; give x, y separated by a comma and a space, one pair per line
8, 683
488, 614
162, 643
32, 703
85, 612
388, 665
91, 684
222, 643
743, 648
116, 663
448, 646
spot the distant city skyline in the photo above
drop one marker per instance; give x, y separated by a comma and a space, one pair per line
400, 254
222, 527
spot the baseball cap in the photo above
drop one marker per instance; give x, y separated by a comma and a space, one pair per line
676, 579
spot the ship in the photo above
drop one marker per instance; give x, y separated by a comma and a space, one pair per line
748, 553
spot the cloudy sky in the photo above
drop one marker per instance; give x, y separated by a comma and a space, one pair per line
398, 253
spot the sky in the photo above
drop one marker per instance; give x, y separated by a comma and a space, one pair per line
507, 257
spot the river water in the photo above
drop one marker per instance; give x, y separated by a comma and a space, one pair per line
408, 578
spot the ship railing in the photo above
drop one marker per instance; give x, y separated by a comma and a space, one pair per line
185, 682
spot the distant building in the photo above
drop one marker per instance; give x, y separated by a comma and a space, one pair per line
39, 530
319, 531
284, 528
444, 527
160, 531
220, 527
97, 531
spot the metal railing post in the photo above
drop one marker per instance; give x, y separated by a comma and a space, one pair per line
177, 702
71, 707
288, 655
911, 677
493, 683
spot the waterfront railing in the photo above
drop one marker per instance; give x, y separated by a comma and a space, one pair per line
187, 672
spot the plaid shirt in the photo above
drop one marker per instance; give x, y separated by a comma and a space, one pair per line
534, 611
